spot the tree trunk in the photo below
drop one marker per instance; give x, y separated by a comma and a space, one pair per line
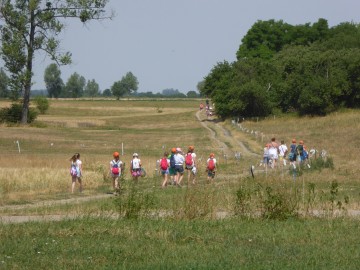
28, 72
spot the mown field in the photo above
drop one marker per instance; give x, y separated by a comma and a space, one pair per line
277, 220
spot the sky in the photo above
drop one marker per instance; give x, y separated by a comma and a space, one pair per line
175, 43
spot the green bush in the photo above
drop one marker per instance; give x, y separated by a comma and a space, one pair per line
42, 104
13, 114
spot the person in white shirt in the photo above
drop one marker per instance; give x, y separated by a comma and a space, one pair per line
179, 166
282, 153
115, 171
135, 167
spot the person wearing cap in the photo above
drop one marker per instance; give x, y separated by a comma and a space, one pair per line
211, 167
179, 166
115, 171
190, 161
135, 167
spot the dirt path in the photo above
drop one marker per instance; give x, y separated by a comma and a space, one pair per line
223, 135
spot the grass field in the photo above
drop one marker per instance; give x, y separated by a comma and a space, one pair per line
271, 221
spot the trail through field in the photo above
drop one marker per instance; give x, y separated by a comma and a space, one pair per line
221, 135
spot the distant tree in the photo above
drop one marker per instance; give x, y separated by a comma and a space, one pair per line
53, 82
127, 85
34, 25
192, 94
74, 87
91, 89
106, 93
170, 92
4, 80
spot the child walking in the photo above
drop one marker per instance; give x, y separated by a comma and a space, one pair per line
76, 171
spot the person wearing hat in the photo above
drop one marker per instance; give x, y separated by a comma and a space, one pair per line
135, 167
115, 171
179, 166
211, 167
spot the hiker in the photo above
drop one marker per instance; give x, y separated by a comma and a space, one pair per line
266, 159
172, 172
292, 153
115, 171
190, 166
135, 167
211, 167
302, 154
273, 152
164, 169
282, 153
179, 166
76, 171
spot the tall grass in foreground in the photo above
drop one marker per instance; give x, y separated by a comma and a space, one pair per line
98, 243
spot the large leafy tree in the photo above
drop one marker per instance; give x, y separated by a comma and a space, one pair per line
53, 82
91, 89
33, 25
127, 85
74, 87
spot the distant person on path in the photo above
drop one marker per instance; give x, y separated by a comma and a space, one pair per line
266, 157
115, 171
135, 167
76, 172
179, 166
211, 167
282, 153
292, 153
190, 164
172, 172
164, 169
273, 152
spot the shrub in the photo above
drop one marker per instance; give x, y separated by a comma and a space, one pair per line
42, 104
13, 114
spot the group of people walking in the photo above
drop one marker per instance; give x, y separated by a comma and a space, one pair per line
275, 153
172, 168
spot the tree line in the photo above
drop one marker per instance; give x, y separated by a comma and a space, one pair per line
309, 69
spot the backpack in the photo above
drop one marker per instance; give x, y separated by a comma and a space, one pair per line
73, 170
300, 149
172, 161
211, 164
115, 168
189, 159
164, 164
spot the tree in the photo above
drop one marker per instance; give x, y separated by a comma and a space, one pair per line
192, 94
127, 85
53, 82
91, 89
106, 93
4, 79
74, 87
31, 26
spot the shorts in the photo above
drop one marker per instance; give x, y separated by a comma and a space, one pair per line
189, 167
172, 171
179, 169
163, 172
211, 174
136, 173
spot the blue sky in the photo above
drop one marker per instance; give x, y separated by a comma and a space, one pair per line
175, 43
